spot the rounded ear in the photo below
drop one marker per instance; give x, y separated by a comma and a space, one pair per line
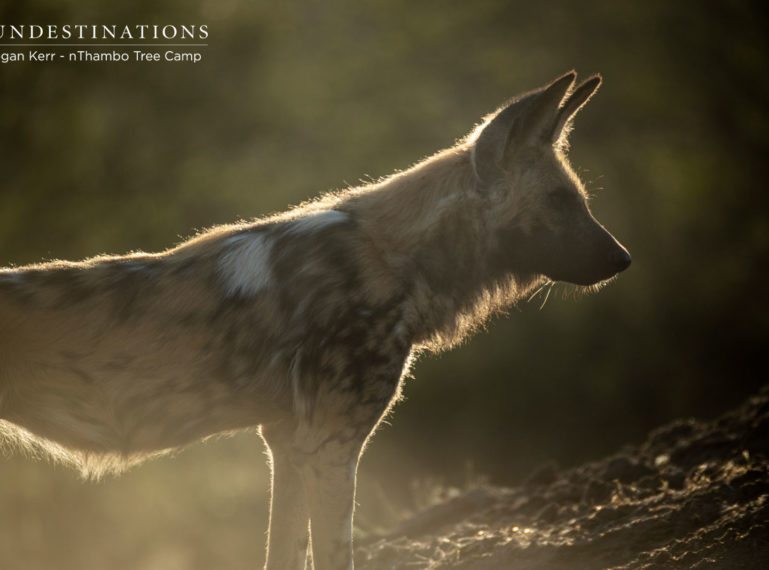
573, 104
523, 119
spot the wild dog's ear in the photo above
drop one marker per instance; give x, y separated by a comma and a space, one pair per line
528, 117
573, 104
537, 121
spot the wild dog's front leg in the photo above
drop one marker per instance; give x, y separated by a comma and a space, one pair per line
333, 442
330, 482
288, 534
340, 395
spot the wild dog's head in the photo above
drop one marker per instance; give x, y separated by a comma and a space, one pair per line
539, 215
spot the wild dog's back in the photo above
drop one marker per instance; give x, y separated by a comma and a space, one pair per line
120, 354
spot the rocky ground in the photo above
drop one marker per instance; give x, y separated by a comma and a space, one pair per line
693, 495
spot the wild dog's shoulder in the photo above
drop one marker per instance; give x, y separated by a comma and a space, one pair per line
287, 252
316, 269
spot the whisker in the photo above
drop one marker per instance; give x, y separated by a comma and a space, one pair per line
547, 294
538, 290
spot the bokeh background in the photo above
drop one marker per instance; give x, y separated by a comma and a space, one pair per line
295, 98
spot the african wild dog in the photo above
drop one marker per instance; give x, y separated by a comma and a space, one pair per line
304, 323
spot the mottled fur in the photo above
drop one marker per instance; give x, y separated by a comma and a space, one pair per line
304, 323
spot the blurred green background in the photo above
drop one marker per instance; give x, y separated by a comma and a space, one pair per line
292, 99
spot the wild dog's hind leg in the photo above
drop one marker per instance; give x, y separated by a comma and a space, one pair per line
288, 534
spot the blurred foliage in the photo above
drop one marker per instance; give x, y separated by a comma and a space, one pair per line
292, 99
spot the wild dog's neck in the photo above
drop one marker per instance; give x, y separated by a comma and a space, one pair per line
427, 226
399, 212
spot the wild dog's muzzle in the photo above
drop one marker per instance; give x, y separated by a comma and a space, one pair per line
589, 256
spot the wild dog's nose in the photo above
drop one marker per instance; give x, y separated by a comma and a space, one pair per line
620, 259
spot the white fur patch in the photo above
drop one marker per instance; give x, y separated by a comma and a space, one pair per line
244, 266
317, 220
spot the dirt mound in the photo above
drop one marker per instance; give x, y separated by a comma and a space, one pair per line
693, 495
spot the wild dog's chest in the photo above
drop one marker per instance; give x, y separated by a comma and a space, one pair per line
359, 333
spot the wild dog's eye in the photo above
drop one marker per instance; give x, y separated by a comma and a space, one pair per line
561, 199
